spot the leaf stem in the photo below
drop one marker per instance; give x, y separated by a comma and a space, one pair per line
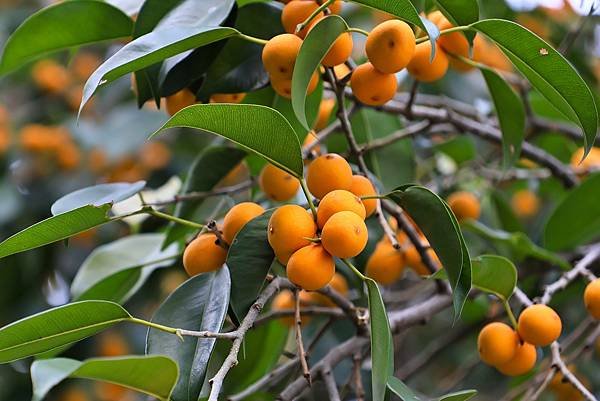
358, 30
354, 269
445, 32
312, 15
156, 326
174, 219
510, 314
378, 196
313, 209
252, 39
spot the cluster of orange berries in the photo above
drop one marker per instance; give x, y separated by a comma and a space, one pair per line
185, 97
390, 47
512, 352
55, 79
51, 141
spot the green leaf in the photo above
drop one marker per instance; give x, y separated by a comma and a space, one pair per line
459, 396
238, 67
507, 219
207, 170
163, 13
314, 48
381, 342
249, 259
494, 274
284, 106
62, 26
441, 229
55, 228
511, 115
576, 219
259, 129
96, 195
151, 375
405, 10
547, 71
57, 327
151, 48
460, 13
263, 346
398, 387
136, 255
519, 242
198, 304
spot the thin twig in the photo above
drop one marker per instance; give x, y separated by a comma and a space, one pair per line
299, 342
229, 190
330, 383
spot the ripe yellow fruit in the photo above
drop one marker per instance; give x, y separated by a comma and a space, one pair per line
338, 283
279, 55
362, 186
454, 43
325, 108
489, 54
424, 70
283, 86
390, 46
237, 217
336, 7
539, 325
203, 254
310, 267
525, 203
50, 76
591, 161
497, 343
521, 363
297, 11
338, 201
154, 155
179, 100
386, 264
591, 298
289, 226
327, 173
285, 301
465, 205
277, 184
227, 97
340, 51
84, 64
371, 86
344, 235
310, 138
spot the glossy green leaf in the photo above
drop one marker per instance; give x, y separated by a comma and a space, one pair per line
314, 48
398, 387
547, 71
198, 304
151, 375
511, 115
55, 228
519, 242
96, 195
459, 396
381, 342
238, 67
207, 170
151, 48
165, 13
460, 13
137, 255
57, 327
71, 24
405, 10
249, 260
441, 229
576, 219
259, 129
263, 347
284, 106
494, 274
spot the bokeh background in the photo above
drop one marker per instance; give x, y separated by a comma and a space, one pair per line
45, 153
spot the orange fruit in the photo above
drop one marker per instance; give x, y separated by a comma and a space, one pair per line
371, 86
